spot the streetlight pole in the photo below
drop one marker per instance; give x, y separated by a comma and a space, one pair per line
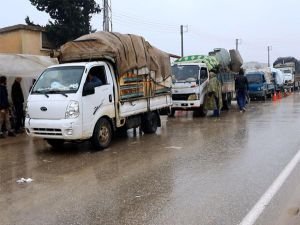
269, 49
237, 42
181, 34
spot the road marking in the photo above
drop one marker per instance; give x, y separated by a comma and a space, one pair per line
263, 202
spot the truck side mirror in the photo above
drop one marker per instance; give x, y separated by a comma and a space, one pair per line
88, 90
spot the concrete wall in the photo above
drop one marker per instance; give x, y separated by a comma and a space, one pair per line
22, 42
11, 42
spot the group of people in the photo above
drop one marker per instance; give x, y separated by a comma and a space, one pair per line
11, 118
213, 99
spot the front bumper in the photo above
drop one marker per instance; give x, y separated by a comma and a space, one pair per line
256, 93
66, 129
186, 105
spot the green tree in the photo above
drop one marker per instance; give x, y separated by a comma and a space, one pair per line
70, 19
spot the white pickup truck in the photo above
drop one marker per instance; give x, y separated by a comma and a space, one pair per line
61, 107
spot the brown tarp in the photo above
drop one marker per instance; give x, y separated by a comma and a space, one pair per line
129, 52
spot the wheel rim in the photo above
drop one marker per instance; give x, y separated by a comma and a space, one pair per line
104, 134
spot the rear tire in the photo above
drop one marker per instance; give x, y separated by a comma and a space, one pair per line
172, 113
55, 143
202, 111
102, 134
150, 123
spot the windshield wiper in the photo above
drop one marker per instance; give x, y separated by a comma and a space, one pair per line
58, 92
41, 92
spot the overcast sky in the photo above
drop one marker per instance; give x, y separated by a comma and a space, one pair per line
211, 24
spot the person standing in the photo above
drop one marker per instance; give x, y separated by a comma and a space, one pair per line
4, 109
18, 100
241, 86
213, 100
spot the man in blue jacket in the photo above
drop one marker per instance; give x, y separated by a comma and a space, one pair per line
4, 109
241, 86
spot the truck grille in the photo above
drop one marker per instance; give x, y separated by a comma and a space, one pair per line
183, 97
47, 131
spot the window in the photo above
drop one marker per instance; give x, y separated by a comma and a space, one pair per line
203, 75
99, 72
46, 44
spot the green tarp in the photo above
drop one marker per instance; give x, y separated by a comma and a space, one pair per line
210, 61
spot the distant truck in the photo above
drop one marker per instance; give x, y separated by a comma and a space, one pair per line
136, 81
290, 66
191, 77
261, 84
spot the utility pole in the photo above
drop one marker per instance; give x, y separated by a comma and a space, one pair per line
107, 18
237, 42
181, 34
269, 49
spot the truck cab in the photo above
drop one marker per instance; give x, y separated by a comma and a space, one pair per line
260, 85
288, 76
189, 86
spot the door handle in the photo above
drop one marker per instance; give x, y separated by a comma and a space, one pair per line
110, 98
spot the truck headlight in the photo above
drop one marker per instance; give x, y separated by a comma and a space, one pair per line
192, 97
72, 111
26, 111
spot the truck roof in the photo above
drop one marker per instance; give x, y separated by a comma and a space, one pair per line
209, 61
190, 63
76, 64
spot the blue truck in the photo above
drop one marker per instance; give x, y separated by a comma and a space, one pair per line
261, 84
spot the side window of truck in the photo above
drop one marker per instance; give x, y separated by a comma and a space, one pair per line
203, 75
99, 72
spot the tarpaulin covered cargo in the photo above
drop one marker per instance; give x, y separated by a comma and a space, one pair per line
210, 61
129, 52
281, 61
236, 60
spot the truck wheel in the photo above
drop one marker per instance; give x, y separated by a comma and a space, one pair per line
150, 123
226, 105
102, 134
200, 112
55, 143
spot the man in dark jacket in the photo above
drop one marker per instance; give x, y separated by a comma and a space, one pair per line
18, 100
241, 86
4, 109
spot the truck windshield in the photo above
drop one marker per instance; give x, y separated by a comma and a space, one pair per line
59, 80
185, 73
287, 71
254, 78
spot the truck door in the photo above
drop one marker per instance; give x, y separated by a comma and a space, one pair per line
99, 102
203, 83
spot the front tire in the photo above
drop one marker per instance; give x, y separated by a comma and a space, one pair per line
102, 134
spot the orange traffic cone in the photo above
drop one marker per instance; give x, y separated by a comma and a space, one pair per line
274, 96
279, 95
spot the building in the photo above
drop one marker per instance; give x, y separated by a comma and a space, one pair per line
24, 39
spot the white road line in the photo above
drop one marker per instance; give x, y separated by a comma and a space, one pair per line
263, 202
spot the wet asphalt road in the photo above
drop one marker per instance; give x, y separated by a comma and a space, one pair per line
193, 171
